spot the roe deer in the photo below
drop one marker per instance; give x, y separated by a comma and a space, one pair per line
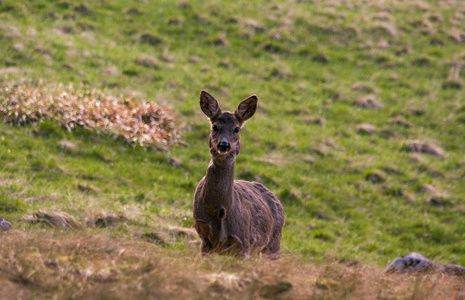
234, 216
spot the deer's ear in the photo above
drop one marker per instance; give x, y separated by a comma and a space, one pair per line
246, 108
209, 105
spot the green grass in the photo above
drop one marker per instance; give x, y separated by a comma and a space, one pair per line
307, 61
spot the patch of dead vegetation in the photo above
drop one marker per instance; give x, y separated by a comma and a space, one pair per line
369, 102
399, 121
436, 197
143, 123
382, 16
366, 128
439, 201
103, 219
453, 80
52, 219
69, 146
277, 71
254, 25
418, 146
168, 235
220, 40
149, 62
381, 29
8, 31
133, 11
307, 158
86, 188
429, 188
274, 159
182, 231
364, 88
9, 70
457, 36
99, 266
150, 39
314, 120
375, 176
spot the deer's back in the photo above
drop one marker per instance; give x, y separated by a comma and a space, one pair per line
257, 197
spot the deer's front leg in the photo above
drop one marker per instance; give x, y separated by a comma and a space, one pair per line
206, 247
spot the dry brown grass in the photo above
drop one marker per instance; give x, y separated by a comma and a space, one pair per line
368, 102
43, 265
143, 123
53, 219
418, 146
366, 128
103, 219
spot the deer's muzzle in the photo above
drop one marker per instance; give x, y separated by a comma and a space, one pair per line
224, 146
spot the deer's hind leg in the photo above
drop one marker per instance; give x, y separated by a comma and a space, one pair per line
273, 249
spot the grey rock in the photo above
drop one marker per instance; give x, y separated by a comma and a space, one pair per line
453, 269
4, 224
414, 262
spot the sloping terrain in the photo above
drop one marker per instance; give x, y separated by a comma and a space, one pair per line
359, 132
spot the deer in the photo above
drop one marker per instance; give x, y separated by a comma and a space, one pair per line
231, 216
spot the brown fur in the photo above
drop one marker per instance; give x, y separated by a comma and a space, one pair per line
234, 216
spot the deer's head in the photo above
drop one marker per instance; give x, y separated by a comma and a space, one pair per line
226, 126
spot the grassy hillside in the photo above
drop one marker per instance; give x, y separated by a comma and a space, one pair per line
359, 132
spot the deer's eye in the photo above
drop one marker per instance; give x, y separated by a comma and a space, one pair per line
215, 128
237, 129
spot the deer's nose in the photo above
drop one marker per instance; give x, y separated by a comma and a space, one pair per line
224, 146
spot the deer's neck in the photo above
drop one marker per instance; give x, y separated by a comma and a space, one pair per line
219, 183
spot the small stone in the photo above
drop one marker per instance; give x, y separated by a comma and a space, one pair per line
4, 225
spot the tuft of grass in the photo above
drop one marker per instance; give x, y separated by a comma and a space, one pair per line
53, 219
424, 147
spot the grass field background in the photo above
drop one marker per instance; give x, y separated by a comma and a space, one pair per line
359, 132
